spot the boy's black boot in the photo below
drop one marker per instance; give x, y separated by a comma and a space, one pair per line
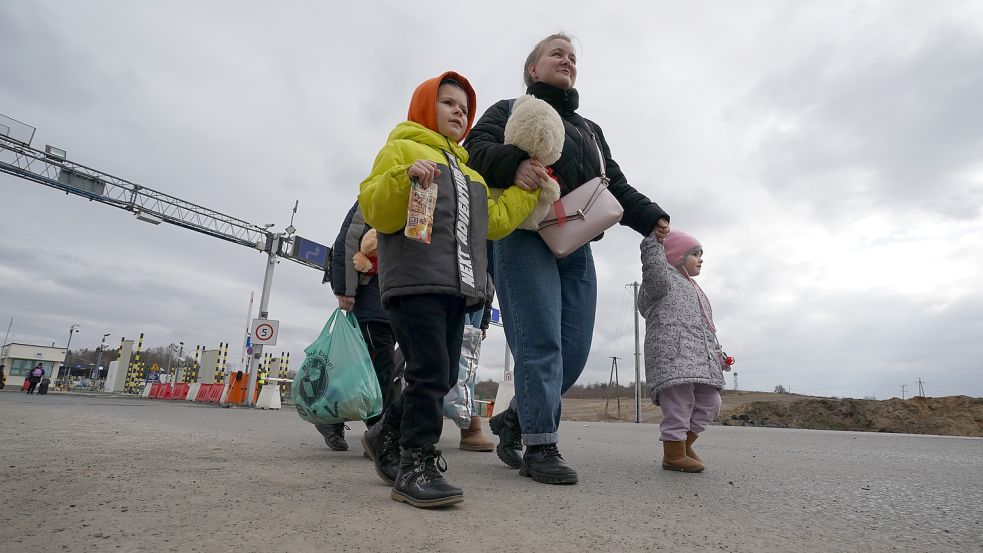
505, 425
334, 436
381, 442
419, 481
544, 464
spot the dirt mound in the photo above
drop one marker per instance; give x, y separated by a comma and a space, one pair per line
952, 416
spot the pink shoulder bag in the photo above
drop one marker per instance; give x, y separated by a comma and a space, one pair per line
581, 215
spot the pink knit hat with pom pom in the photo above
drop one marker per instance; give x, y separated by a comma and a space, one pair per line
678, 245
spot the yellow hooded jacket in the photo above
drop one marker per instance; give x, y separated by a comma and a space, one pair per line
455, 262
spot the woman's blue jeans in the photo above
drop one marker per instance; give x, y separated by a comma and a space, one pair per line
548, 308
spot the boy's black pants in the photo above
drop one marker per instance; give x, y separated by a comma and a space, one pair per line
379, 339
429, 329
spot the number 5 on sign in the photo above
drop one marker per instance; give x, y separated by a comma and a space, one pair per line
264, 332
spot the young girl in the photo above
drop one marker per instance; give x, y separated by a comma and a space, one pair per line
683, 360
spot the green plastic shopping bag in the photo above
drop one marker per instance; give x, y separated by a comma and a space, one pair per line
337, 382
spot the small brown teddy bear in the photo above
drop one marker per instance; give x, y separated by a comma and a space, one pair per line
537, 128
366, 260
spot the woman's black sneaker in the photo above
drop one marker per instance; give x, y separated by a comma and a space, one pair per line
544, 464
505, 425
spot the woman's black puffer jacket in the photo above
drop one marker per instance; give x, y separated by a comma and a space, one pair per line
497, 162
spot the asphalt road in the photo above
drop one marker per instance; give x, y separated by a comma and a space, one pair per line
83, 473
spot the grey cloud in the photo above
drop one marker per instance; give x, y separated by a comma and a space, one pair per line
878, 124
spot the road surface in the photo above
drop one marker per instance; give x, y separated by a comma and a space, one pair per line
104, 473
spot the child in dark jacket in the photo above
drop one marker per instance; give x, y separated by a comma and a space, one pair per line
429, 284
359, 293
683, 359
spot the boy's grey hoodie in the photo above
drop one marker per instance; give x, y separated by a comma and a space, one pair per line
680, 341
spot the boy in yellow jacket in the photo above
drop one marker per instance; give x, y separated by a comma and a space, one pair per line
429, 285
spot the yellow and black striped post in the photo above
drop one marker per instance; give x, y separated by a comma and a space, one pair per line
283, 374
193, 373
134, 373
119, 353
225, 358
219, 366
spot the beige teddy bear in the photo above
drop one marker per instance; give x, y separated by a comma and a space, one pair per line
537, 128
366, 260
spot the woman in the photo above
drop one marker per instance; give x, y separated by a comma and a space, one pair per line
548, 304
35, 377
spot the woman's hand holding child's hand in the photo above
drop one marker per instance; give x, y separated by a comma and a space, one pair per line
530, 174
424, 171
661, 230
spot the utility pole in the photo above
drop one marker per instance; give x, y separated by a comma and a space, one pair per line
7, 335
508, 362
102, 347
174, 376
638, 357
613, 379
735, 381
245, 338
264, 302
921, 389
903, 386
64, 364
170, 354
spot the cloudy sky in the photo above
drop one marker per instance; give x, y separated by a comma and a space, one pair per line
829, 155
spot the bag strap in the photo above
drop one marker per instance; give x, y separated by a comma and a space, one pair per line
600, 155
558, 209
561, 214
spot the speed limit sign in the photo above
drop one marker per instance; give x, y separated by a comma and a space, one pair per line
264, 332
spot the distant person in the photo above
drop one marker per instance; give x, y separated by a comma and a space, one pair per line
34, 377
683, 359
433, 271
3, 376
359, 293
472, 437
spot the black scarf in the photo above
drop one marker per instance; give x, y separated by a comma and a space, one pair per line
565, 102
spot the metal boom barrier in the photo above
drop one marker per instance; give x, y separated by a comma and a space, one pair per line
53, 170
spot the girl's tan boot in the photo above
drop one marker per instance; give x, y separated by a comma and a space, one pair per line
690, 438
472, 439
675, 458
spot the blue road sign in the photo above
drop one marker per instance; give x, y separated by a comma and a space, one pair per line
309, 251
496, 317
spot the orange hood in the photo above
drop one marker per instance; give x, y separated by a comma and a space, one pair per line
423, 105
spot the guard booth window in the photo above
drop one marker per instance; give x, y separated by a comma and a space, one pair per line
20, 367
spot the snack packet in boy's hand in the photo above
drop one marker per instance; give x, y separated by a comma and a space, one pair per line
419, 217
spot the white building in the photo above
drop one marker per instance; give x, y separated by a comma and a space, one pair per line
19, 359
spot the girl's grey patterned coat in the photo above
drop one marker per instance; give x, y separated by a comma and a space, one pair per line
680, 341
